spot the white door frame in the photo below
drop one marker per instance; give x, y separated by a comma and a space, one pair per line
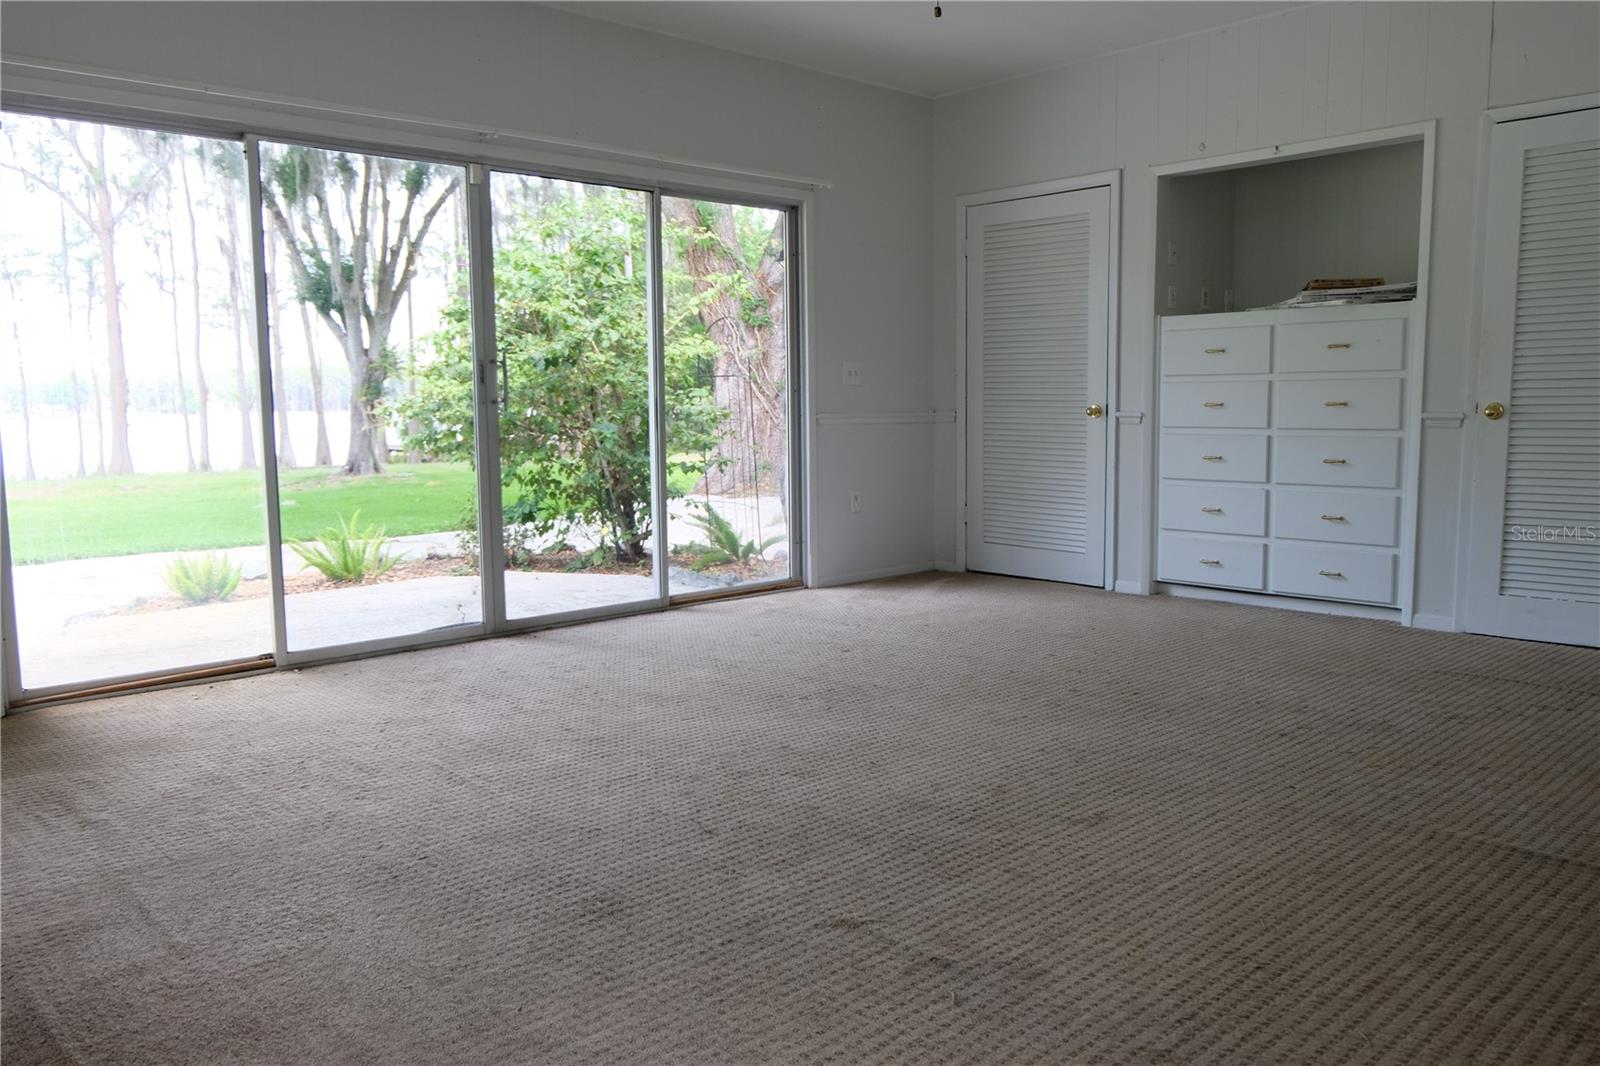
1109, 179
1468, 455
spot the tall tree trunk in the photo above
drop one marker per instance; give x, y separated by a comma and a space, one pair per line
94, 377
324, 455
22, 379
413, 426
105, 233
202, 397
66, 288
230, 250
171, 288
280, 403
751, 364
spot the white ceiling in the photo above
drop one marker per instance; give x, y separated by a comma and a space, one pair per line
898, 44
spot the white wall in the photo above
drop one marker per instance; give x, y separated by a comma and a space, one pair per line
1293, 76
1196, 226
535, 70
1354, 214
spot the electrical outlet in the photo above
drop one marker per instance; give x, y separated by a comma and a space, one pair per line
852, 374
1172, 254
855, 501
1172, 297
1227, 299
1205, 297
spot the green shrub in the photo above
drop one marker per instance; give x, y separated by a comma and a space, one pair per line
203, 578
723, 543
348, 553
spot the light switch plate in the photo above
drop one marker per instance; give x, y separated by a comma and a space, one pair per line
1205, 297
1172, 297
852, 374
1172, 254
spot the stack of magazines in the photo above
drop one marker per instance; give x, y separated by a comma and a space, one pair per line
1331, 292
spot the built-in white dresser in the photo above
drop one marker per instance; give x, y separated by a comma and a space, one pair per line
1283, 457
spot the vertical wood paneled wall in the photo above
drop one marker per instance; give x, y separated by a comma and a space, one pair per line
1278, 79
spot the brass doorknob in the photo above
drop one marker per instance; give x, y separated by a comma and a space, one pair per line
1094, 410
1494, 411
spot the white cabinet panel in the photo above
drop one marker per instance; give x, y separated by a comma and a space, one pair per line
1337, 459
1339, 403
1347, 346
1344, 517
1214, 508
1242, 350
1214, 456
1239, 564
1333, 573
1215, 404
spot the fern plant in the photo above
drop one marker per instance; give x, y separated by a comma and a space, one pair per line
203, 578
723, 543
347, 553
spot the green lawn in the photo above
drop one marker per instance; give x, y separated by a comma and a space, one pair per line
79, 518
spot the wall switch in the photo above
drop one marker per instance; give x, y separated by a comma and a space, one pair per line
1172, 254
855, 501
1172, 297
1227, 299
1205, 297
852, 374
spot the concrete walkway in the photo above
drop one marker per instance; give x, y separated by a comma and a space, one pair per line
73, 624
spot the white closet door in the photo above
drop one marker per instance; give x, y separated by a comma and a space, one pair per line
1534, 552
1037, 291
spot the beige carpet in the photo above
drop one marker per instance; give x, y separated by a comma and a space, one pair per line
935, 820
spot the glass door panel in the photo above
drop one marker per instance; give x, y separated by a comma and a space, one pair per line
372, 379
572, 335
129, 417
727, 393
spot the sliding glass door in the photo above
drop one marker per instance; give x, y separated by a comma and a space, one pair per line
371, 351
264, 402
726, 305
572, 388
132, 460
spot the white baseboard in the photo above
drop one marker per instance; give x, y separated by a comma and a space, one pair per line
1444, 623
1281, 603
949, 566
1130, 588
834, 580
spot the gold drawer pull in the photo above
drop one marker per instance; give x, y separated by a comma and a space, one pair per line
1336, 403
1212, 403
1336, 462
1330, 573
1215, 351
1212, 510
1212, 458
1338, 346
1333, 518
1210, 562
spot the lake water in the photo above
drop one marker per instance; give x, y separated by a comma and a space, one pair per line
156, 440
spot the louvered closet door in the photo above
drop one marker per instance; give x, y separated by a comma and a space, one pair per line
1534, 554
1037, 291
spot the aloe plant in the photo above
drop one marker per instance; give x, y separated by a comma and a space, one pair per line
347, 553
203, 578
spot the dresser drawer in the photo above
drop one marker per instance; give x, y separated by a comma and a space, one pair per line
1214, 456
1243, 350
1343, 517
1334, 403
1370, 345
1344, 460
1333, 573
1214, 404
1214, 508
1238, 564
